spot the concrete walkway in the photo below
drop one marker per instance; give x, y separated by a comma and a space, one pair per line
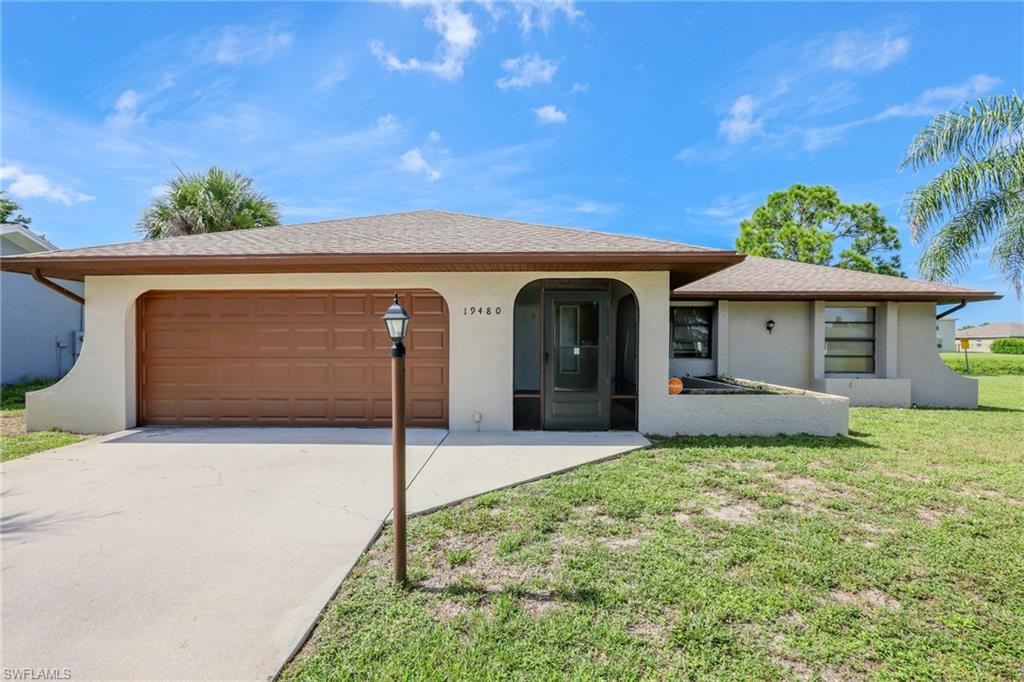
209, 553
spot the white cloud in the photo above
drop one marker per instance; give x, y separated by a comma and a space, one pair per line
579, 87
126, 111
526, 71
434, 136
594, 208
335, 73
741, 124
549, 113
458, 38
944, 98
24, 185
539, 13
731, 209
857, 51
237, 44
414, 161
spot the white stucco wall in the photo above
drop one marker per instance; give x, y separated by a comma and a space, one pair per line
866, 391
98, 395
933, 384
33, 319
908, 369
812, 413
783, 357
945, 334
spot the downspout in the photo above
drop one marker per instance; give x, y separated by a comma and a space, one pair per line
962, 304
37, 275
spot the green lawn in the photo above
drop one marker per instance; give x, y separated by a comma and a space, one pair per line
985, 364
15, 442
892, 554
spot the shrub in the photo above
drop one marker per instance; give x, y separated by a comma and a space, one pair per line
1009, 346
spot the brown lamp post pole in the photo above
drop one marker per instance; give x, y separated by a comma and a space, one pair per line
397, 321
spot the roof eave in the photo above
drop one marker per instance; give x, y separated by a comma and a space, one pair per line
78, 267
936, 296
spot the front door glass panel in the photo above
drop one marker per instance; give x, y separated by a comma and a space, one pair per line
577, 346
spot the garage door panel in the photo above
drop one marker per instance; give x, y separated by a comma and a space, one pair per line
350, 339
427, 339
286, 358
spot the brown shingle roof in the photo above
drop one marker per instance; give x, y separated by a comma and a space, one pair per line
995, 330
424, 239
758, 278
414, 232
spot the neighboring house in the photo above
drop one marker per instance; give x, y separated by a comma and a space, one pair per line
38, 326
514, 325
981, 338
945, 334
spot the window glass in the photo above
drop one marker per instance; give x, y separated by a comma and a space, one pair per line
850, 340
691, 332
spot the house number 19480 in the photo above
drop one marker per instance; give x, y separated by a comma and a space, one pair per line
473, 310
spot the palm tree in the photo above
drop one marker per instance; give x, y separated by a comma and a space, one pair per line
979, 197
214, 201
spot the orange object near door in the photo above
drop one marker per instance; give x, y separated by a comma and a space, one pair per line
675, 385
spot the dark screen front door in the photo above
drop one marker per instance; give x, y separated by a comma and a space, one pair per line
577, 389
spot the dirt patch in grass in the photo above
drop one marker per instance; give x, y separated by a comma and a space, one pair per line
12, 423
738, 513
871, 599
989, 495
684, 519
647, 631
931, 516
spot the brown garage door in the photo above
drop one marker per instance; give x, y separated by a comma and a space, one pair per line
302, 358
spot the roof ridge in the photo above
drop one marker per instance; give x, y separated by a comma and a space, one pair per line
569, 227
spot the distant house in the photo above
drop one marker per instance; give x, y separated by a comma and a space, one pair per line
38, 326
981, 338
945, 334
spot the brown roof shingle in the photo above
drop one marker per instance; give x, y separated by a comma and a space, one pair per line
414, 232
758, 278
412, 241
996, 330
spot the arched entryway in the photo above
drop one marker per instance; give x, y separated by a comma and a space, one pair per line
575, 355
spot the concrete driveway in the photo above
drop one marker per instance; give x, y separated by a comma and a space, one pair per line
209, 553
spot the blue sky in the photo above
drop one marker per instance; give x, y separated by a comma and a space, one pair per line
667, 120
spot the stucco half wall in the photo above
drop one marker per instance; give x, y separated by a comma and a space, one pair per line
99, 394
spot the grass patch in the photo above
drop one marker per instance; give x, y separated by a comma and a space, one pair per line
15, 441
893, 553
12, 396
985, 364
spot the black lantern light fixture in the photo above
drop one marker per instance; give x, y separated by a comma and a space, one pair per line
396, 319
769, 325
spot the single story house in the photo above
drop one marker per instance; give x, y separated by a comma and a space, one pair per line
980, 338
514, 325
40, 330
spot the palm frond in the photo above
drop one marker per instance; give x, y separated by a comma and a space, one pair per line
994, 122
1008, 249
950, 251
213, 201
956, 188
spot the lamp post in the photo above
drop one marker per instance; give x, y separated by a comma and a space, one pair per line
396, 319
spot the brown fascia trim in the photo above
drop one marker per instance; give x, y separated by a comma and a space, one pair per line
76, 267
910, 296
38, 276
